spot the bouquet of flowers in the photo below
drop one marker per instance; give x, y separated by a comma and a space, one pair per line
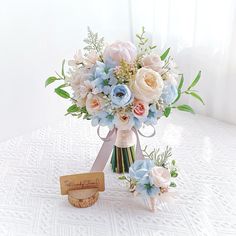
123, 87
153, 176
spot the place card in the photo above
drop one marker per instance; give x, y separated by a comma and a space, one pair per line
88, 180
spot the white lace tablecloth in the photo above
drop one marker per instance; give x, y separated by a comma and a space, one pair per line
31, 204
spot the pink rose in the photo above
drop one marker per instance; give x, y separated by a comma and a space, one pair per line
120, 51
140, 108
160, 176
123, 121
153, 62
94, 103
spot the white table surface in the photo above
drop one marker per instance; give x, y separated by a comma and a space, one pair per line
30, 166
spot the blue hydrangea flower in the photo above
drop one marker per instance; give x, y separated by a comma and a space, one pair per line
140, 168
104, 119
153, 115
139, 171
169, 93
137, 123
121, 95
110, 63
147, 189
103, 77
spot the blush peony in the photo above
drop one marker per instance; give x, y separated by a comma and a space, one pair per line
120, 51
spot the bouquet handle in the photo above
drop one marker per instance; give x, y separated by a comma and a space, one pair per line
107, 146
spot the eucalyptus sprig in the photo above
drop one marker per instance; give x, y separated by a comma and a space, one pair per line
159, 158
73, 110
59, 77
143, 43
76, 111
188, 91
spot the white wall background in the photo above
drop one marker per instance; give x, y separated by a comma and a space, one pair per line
36, 35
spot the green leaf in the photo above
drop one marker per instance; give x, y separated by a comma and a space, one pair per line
138, 36
79, 115
186, 108
165, 54
62, 68
177, 98
50, 80
167, 111
62, 86
105, 82
195, 81
73, 108
87, 116
197, 97
174, 174
172, 184
173, 162
62, 93
181, 82
152, 47
84, 110
122, 177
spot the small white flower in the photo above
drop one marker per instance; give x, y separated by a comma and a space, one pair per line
78, 59
90, 59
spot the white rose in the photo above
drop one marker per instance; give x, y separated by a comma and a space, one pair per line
148, 85
153, 62
160, 176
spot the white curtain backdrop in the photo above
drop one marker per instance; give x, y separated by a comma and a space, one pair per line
37, 35
202, 36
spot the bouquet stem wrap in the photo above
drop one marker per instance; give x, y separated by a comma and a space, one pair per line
123, 154
119, 138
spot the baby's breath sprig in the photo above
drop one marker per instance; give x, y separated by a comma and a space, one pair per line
125, 73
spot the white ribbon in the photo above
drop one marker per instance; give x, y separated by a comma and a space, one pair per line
148, 136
